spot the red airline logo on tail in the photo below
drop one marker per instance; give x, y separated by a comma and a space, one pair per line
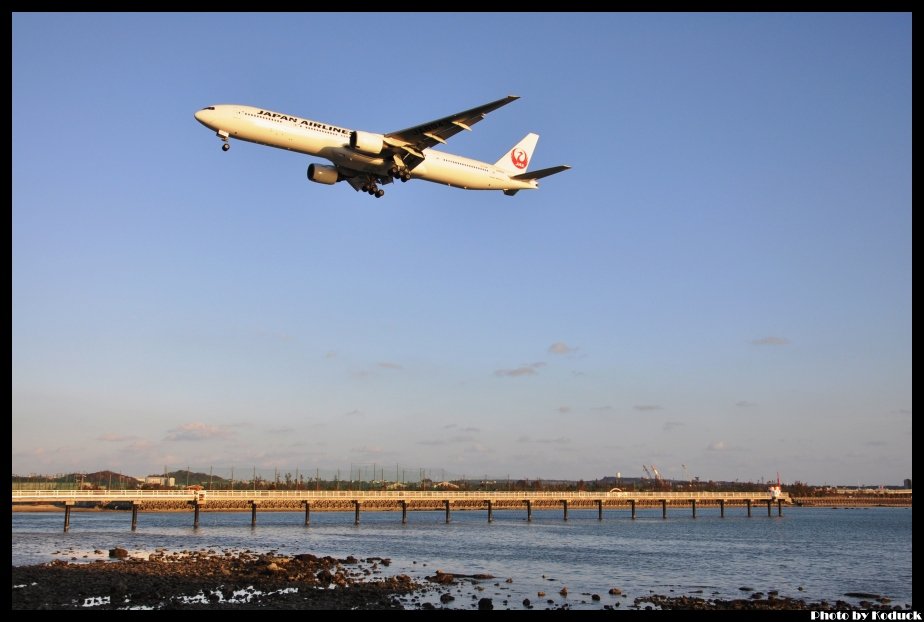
519, 158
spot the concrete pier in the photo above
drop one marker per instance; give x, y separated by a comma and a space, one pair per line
393, 500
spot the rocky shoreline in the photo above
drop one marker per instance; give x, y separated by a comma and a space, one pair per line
250, 580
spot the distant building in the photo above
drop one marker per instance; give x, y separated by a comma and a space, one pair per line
160, 480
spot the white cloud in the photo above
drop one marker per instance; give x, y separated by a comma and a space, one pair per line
115, 438
646, 407
560, 347
523, 370
717, 446
389, 365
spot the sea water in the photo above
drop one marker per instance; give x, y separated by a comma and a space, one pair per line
809, 553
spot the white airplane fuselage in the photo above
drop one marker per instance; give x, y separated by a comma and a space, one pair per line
265, 127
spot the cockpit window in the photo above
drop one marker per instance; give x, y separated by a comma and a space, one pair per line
209, 108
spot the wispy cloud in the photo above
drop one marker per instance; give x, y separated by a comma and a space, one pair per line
197, 431
561, 440
771, 341
330, 354
563, 409
602, 408
353, 413
523, 370
717, 446
389, 365
745, 404
646, 407
115, 438
672, 425
560, 347
876, 443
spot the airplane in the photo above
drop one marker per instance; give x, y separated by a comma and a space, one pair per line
366, 159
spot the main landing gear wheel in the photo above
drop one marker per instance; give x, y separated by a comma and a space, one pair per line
225, 147
379, 193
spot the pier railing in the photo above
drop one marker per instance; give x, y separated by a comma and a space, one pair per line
53, 496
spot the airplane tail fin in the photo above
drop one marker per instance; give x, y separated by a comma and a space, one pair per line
515, 161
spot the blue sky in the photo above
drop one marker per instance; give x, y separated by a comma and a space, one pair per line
721, 283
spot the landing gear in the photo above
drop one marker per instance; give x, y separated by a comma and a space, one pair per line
372, 189
225, 146
400, 173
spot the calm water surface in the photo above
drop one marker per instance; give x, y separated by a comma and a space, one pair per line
825, 552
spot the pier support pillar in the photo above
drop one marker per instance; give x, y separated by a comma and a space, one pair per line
446, 504
404, 512
663, 508
490, 511
356, 505
599, 510
769, 508
253, 513
779, 507
693, 506
67, 515
307, 513
196, 507
135, 515
632, 505
749, 508
529, 511
564, 505
722, 508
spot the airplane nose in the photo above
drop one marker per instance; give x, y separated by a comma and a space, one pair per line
200, 116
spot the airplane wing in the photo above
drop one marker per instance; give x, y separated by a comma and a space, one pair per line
414, 140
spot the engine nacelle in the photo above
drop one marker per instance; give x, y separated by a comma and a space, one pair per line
367, 143
323, 174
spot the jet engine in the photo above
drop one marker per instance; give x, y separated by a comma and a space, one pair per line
367, 142
323, 174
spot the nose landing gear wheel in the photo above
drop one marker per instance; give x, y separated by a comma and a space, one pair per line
225, 147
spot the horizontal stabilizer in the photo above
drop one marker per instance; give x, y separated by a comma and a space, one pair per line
545, 172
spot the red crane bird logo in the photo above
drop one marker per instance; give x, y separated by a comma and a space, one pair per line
519, 158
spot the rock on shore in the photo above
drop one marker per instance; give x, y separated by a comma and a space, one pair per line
197, 580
